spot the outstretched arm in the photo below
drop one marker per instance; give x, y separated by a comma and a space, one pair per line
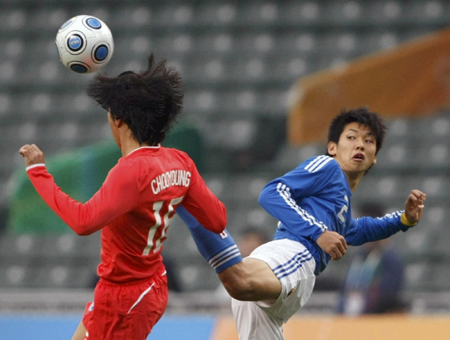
117, 195
369, 229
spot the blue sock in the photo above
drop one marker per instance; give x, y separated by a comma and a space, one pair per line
219, 250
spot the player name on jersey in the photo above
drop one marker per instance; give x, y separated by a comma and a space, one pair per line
171, 178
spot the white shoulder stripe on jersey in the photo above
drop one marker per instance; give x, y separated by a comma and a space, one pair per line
313, 162
318, 163
322, 164
285, 193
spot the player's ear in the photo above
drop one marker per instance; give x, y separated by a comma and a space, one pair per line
118, 122
375, 160
332, 148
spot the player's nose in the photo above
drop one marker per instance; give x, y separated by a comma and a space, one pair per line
359, 144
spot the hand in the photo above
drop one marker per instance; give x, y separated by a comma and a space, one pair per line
333, 244
33, 155
414, 206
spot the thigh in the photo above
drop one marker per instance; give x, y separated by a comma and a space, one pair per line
146, 311
126, 312
251, 280
265, 284
80, 332
293, 266
253, 323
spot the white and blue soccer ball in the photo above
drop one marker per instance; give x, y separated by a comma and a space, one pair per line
85, 44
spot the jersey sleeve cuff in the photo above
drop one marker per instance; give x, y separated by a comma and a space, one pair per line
317, 234
35, 166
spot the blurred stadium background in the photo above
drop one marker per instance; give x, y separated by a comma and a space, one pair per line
241, 62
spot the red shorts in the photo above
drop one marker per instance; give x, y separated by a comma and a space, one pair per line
126, 311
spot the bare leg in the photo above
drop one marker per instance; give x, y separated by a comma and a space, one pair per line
246, 280
80, 332
251, 280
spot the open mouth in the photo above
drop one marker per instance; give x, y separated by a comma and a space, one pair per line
359, 157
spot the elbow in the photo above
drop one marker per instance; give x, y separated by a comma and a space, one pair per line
220, 223
262, 198
84, 233
87, 225
218, 227
82, 230
241, 291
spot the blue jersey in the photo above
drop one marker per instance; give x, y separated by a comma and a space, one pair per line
316, 197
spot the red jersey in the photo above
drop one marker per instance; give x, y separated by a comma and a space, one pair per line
134, 207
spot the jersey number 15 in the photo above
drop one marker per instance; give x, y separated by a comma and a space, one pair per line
154, 244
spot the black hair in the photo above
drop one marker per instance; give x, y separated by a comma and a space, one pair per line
362, 116
149, 102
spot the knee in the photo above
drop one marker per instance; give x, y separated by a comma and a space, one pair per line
239, 290
238, 284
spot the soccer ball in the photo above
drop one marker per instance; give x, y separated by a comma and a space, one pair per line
84, 43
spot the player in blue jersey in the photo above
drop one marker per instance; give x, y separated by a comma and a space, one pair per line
313, 206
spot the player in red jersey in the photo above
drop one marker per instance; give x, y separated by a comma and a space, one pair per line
134, 206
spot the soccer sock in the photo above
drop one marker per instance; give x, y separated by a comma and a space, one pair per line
219, 250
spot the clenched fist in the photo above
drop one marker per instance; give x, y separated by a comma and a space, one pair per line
333, 244
414, 206
33, 155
